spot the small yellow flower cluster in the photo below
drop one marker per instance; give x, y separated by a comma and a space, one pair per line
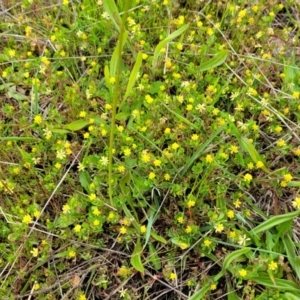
286, 179
296, 203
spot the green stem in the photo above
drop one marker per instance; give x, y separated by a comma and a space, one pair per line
116, 95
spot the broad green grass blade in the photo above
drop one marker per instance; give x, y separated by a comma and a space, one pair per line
113, 12
291, 296
274, 221
136, 260
280, 284
248, 147
200, 150
231, 293
16, 138
217, 60
153, 257
181, 118
233, 256
133, 75
115, 57
158, 237
149, 228
290, 250
245, 143
199, 295
164, 42
77, 125
107, 78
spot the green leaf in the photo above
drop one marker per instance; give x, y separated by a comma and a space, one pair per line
280, 284
133, 75
18, 138
107, 78
165, 41
153, 257
135, 259
199, 295
233, 256
115, 56
200, 150
155, 87
113, 12
217, 60
60, 131
291, 296
290, 250
77, 125
249, 147
274, 221
122, 116
85, 180
181, 118
158, 237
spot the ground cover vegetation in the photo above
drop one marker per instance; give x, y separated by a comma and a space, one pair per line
149, 149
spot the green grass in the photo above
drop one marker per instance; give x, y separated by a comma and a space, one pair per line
149, 150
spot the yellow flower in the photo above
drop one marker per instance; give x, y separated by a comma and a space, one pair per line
127, 152
82, 296
195, 137
143, 229
174, 146
272, 266
66, 209
123, 271
209, 158
296, 203
151, 175
71, 253
191, 203
213, 287
234, 149
207, 243
248, 177
281, 143
27, 219
112, 80
92, 196
167, 130
77, 228
96, 211
96, 222
219, 228
38, 119
34, 252
296, 151
167, 177
188, 229
296, 95
287, 177
123, 230
172, 276
230, 214
181, 219
259, 164
243, 272
157, 163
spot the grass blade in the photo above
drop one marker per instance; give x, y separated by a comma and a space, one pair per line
233, 256
217, 60
164, 42
136, 260
200, 150
133, 75
113, 12
274, 221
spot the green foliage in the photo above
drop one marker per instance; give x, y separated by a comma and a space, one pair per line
149, 149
